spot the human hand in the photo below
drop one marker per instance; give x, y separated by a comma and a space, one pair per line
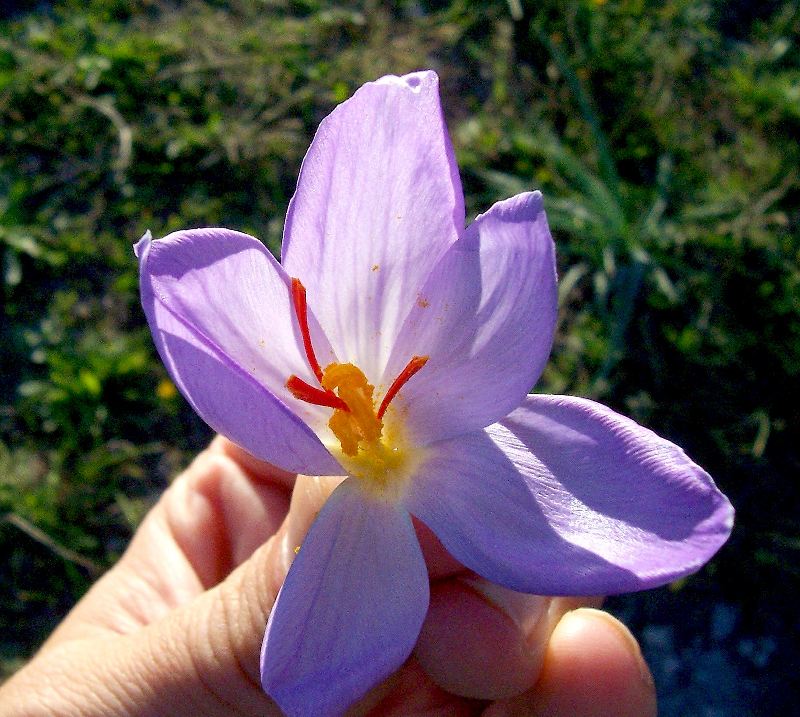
175, 627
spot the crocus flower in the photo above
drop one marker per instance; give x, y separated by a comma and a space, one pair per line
397, 348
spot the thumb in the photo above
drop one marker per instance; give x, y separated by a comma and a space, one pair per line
200, 658
207, 652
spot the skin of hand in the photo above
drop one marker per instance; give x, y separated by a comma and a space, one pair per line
175, 627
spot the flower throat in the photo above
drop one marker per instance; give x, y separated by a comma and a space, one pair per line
344, 388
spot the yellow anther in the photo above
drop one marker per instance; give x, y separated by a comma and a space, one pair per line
360, 425
370, 451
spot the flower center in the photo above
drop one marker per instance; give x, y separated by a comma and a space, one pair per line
368, 448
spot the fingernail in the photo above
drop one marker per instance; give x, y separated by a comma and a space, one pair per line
627, 636
528, 612
476, 642
308, 497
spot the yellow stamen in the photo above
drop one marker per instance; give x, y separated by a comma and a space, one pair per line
360, 424
371, 451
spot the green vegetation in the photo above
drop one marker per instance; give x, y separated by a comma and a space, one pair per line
664, 137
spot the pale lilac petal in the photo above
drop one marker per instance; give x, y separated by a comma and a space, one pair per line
378, 201
351, 608
485, 318
566, 497
217, 307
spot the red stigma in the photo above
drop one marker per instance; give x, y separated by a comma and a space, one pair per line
319, 397
299, 388
414, 365
301, 312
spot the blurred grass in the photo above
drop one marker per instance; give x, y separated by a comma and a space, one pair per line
664, 137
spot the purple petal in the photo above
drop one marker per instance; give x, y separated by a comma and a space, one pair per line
485, 318
378, 201
566, 497
218, 308
351, 608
